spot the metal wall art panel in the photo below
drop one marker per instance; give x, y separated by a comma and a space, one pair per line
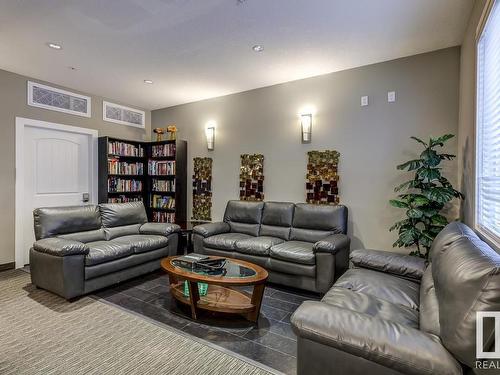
322, 177
252, 177
202, 189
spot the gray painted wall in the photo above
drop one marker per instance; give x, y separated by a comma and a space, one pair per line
13, 104
372, 140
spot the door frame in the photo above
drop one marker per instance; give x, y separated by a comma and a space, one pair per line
21, 124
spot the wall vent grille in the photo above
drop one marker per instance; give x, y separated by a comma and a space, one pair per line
43, 96
123, 115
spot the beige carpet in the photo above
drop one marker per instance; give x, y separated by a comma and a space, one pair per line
41, 333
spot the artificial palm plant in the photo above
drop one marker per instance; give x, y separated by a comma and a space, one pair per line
423, 198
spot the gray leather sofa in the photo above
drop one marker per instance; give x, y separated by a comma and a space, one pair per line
84, 248
390, 314
301, 245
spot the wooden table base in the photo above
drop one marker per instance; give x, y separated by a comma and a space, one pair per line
222, 294
219, 299
258, 293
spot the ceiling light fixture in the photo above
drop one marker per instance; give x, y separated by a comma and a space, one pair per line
54, 46
258, 48
148, 81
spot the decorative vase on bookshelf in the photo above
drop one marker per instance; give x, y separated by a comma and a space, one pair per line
159, 134
172, 132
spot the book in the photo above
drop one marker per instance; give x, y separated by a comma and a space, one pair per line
192, 258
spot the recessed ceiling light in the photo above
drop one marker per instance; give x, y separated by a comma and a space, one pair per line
54, 45
148, 81
258, 48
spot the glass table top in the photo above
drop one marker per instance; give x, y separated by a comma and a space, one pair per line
229, 269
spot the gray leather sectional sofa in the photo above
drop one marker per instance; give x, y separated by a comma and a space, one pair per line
393, 314
84, 248
300, 245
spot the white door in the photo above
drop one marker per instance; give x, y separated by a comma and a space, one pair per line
56, 168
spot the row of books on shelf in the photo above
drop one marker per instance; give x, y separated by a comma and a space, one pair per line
118, 185
163, 150
124, 199
163, 217
163, 185
125, 149
161, 201
120, 167
161, 168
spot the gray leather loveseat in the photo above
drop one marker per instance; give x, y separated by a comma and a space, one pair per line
300, 245
84, 248
391, 314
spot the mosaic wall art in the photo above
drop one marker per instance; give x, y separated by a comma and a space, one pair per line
252, 177
322, 178
202, 189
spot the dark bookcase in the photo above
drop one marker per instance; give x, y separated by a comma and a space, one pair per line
166, 181
153, 172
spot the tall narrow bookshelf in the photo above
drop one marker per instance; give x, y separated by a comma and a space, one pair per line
122, 170
152, 172
166, 181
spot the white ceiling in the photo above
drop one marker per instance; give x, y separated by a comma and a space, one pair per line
199, 49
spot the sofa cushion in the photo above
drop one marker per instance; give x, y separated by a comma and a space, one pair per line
160, 229
86, 236
275, 231
375, 346
118, 214
106, 251
466, 275
295, 252
449, 234
380, 285
278, 213
312, 222
257, 245
60, 247
406, 266
51, 221
224, 241
289, 268
373, 306
244, 217
124, 230
429, 305
309, 235
141, 242
277, 219
107, 268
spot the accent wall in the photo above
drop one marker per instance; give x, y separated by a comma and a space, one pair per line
371, 139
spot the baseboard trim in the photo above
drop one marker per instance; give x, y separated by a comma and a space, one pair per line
7, 266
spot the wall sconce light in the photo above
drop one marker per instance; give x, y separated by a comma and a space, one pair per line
210, 134
306, 124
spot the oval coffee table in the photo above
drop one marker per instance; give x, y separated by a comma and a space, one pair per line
220, 296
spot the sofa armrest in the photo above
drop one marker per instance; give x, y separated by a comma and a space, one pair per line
161, 229
211, 229
387, 343
60, 247
386, 261
332, 244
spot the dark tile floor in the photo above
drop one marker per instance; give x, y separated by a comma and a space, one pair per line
271, 341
